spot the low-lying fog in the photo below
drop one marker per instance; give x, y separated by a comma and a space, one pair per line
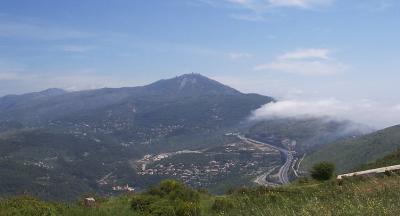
367, 112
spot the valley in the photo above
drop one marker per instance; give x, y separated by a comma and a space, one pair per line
266, 164
189, 128
212, 167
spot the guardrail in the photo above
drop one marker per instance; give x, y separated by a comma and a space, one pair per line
370, 171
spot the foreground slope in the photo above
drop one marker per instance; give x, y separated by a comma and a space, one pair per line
368, 196
350, 154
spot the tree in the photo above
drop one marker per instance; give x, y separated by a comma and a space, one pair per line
322, 171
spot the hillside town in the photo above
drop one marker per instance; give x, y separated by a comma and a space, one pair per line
211, 165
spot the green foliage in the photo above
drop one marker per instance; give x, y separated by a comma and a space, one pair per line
25, 205
389, 160
174, 190
188, 209
142, 203
353, 196
168, 198
222, 204
323, 171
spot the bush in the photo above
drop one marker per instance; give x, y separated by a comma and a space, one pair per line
188, 209
174, 190
322, 171
142, 202
222, 205
26, 205
169, 198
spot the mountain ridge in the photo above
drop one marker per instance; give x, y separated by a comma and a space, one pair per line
187, 85
94, 137
351, 153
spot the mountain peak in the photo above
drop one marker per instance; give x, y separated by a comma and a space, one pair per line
192, 84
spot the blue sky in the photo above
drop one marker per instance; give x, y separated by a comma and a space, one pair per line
316, 49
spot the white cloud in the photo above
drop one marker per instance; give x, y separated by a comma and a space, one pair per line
305, 4
303, 67
367, 112
305, 62
239, 55
306, 54
264, 4
255, 10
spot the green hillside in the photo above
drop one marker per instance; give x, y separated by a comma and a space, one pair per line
389, 160
373, 196
350, 154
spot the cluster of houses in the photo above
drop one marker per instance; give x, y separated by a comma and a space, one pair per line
223, 161
40, 164
126, 188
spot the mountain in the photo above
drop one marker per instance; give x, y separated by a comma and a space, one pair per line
194, 93
351, 153
56, 166
189, 85
190, 105
12, 101
57, 144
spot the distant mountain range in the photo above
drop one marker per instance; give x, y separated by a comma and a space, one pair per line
65, 140
59, 145
182, 92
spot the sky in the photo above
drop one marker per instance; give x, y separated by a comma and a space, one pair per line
295, 50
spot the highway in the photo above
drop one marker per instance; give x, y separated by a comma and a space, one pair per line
284, 170
262, 179
283, 173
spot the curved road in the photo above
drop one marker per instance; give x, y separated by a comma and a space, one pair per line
283, 173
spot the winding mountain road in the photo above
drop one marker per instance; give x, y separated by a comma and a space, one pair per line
283, 173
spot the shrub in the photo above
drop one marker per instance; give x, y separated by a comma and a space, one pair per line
169, 198
26, 205
174, 190
142, 202
222, 204
322, 171
188, 209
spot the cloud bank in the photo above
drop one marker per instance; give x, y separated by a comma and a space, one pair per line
304, 62
255, 10
371, 113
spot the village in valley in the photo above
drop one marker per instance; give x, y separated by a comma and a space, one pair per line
207, 167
